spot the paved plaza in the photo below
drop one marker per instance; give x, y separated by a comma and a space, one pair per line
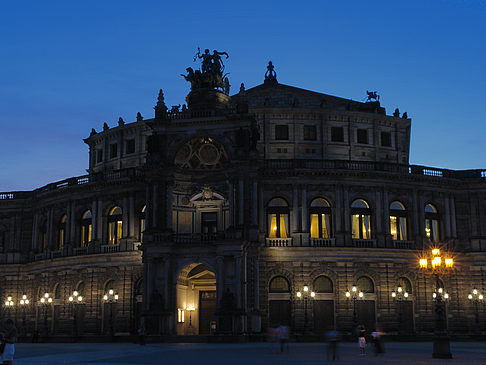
239, 354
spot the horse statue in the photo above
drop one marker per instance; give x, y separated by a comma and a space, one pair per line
372, 95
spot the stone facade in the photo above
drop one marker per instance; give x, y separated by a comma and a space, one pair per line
215, 217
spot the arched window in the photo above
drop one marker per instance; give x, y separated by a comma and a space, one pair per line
142, 222
439, 284
405, 284
365, 284
323, 284
86, 228
432, 223
115, 224
61, 239
279, 284
398, 221
80, 288
57, 291
320, 219
278, 218
361, 219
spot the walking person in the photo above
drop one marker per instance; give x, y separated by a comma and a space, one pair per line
283, 336
377, 341
9, 338
362, 340
332, 350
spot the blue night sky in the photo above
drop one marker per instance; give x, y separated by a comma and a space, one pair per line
67, 67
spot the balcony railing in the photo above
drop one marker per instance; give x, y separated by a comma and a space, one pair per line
404, 245
278, 242
364, 243
322, 242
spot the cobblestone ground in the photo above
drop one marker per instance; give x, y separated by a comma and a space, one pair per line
468, 353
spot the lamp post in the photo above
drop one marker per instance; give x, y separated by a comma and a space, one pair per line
434, 263
400, 295
476, 297
111, 298
354, 294
9, 303
305, 294
75, 299
46, 301
24, 302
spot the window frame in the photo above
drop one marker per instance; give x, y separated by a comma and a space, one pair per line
279, 128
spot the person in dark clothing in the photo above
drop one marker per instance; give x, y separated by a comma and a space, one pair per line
362, 340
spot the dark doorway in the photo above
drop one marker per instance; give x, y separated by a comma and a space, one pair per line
323, 315
207, 310
279, 313
209, 223
366, 314
407, 317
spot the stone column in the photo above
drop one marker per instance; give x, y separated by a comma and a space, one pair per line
414, 215
219, 279
231, 193
254, 206
50, 229
447, 220
155, 205
169, 206
99, 219
125, 216
453, 217
241, 202
94, 220
256, 288
305, 217
338, 210
148, 282
132, 216
238, 281
295, 209
68, 231
72, 224
35, 231
347, 214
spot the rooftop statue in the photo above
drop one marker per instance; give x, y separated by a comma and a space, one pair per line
372, 95
211, 73
270, 74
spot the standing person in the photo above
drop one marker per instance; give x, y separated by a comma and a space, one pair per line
362, 340
332, 351
10, 338
283, 336
141, 334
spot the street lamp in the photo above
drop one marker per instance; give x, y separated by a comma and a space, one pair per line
400, 295
304, 294
111, 298
9, 303
46, 301
354, 294
190, 310
24, 302
75, 299
435, 263
476, 297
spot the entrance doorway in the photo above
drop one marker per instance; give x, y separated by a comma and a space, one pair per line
196, 300
209, 223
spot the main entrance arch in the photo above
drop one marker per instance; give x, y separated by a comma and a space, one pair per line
196, 300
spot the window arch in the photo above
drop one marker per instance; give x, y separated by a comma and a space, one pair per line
398, 221
80, 288
432, 223
365, 284
57, 291
405, 284
278, 218
279, 284
115, 224
323, 284
61, 239
320, 218
86, 228
361, 219
142, 221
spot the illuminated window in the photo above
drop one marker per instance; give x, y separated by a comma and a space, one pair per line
142, 222
278, 218
180, 315
320, 219
398, 221
86, 228
61, 233
432, 223
361, 219
115, 224
279, 284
